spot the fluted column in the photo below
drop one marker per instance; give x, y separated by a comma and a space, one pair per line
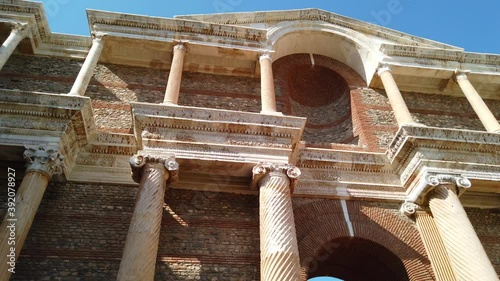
268, 96
487, 118
279, 255
141, 246
440, 261
85, 74
18, 32
396, 100
175, 75
43, 162
467, 256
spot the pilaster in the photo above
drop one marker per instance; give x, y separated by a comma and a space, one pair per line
457, 250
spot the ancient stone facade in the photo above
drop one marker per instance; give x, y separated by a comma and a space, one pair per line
282, 145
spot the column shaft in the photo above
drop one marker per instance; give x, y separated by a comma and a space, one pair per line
279, 253
483, 112
43, 162
16, 35
28, 200
268, 97
87, 70
141, 246
467, 256
435, 248
396, 100
175, 75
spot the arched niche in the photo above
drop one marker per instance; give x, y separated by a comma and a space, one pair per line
347, 46
357, 259
318, 88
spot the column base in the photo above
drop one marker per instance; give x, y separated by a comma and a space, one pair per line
272, 113
73, 94
412, 124
169, 103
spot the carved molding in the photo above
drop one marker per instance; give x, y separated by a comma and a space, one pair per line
262, 169
409, 208
181, 46
137, 162
98, 36
44, 159
430, 180
383, 68
21, 28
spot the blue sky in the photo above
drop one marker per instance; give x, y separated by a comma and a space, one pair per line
472, 25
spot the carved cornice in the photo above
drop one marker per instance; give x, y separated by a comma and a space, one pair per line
127, 25
137, 162
262, 169
44, 159
273, 17
192, 132
410, 138
43, 41
40, 118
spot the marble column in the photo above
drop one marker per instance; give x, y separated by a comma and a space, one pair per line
483, 112
467, 256
87, 70
19, 32
396, 100
175, 75
43, 162
279, 254
268, 96
141, 246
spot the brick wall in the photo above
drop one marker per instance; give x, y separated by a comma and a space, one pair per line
320, 221
80, 230
487, 226
377, 125
112, 87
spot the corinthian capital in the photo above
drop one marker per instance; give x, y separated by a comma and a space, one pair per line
46, 160
262, 169
98, 36
21, 28
180, 46
137, 163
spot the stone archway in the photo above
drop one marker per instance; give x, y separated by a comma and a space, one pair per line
357, 259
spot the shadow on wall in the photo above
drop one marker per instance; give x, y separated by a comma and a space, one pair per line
312, 87
382, 239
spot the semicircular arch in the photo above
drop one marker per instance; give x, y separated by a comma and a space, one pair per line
350, 47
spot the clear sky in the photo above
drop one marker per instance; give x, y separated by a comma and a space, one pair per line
472, 25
